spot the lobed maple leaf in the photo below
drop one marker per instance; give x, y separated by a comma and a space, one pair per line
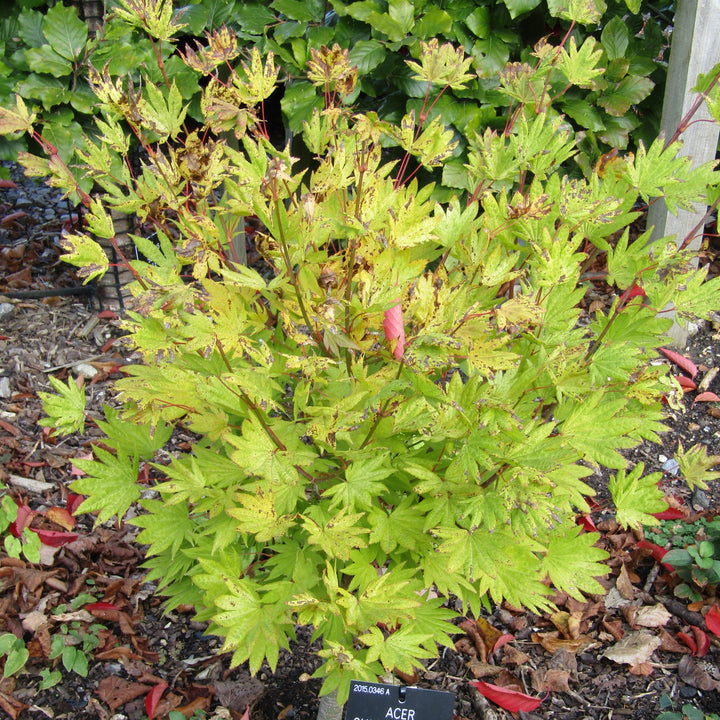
695, 465
637, 498
110, 484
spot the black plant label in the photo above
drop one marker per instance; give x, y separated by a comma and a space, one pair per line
376, 701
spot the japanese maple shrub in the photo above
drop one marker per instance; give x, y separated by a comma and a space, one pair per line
401, 402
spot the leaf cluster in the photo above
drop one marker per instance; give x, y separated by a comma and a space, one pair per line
698, 562
610, 75
406, 395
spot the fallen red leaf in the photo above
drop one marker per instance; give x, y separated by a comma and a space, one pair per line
656, 551
682, 362
702, 640
502, 640
55, 538
7, 184
689, 641
685, 383
153, 698
587, 523
511, 700
73, 502
707, 397
107, 315
394, 328
670, 514
12, 217
101, 606
712, 620
23, 520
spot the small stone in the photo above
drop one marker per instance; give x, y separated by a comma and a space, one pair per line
671, 466
6, 311
662, 458
23, 202
5, 391
86, 370
700, 500
688, 692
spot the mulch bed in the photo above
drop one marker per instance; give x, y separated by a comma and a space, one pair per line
139, 648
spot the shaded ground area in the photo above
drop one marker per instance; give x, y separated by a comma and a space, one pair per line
615, 655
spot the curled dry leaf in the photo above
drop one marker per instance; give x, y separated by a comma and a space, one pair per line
634, 649
615, 628
552, 642
567, 623
624, 585
481, 669
670, 644
513, 656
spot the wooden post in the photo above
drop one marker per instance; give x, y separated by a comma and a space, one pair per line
695, 49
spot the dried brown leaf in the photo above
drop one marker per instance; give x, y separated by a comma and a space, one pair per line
11, 706
481, 669
652, 616
694, 673
624, 585
634, 649
615, 628
512, 656
557, 680
552, 642
670, 644
642, 669
115, 691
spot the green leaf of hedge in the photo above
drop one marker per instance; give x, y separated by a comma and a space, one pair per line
478, 22
303, 10
65, 32
367, 54
253, 17
30, 28
628, 92
45, 60
520, 7
615, 38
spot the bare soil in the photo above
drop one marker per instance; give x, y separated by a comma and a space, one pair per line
140, 647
